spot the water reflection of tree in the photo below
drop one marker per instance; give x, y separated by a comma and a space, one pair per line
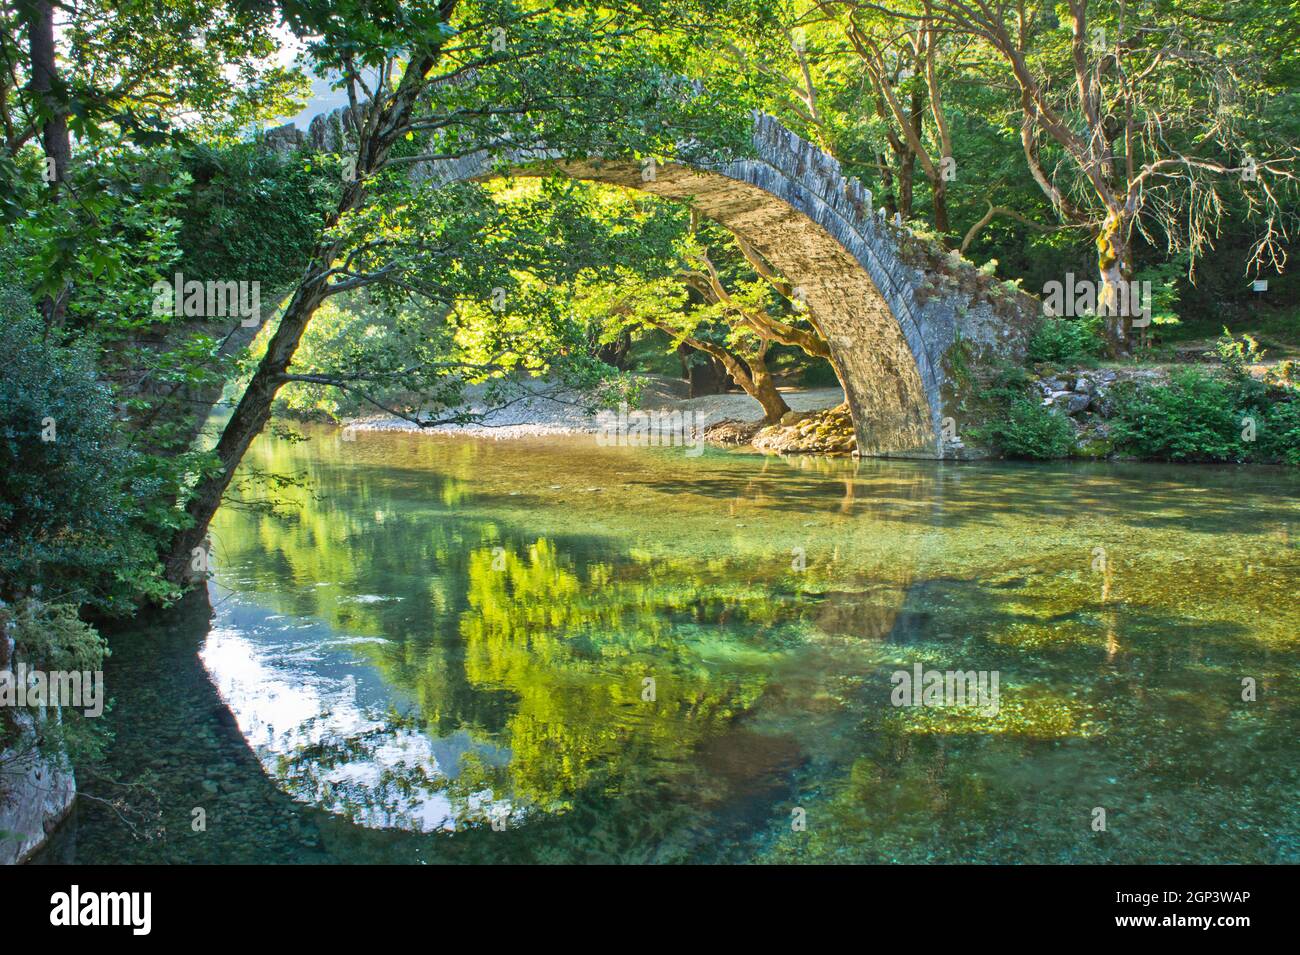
574, 647
1132, 706
536, 647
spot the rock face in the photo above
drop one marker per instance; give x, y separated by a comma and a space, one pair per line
35, 796
35, 793
732, 433
1083, 396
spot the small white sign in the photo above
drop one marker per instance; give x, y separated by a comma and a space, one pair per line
1259, 285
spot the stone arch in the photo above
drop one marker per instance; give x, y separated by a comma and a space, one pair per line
911, 327
891, 306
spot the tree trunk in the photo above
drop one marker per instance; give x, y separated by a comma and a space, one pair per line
251, 415
906, 177
765, 392
254, 408
54, 134
752, 376
55, 139
940, 190
915, 118
757, 382
1114, 302
887, 186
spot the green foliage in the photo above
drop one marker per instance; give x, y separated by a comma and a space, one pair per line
51, 637
1278, 435
1166, 278
160, 184
1017, 425
1068, 341
817, 374
516, 263
252, 214
139, 71
1029, 430
1236, 354
1193, 418
69, 497
104, 251
1200, 417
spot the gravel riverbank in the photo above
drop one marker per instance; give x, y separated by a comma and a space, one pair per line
554, 411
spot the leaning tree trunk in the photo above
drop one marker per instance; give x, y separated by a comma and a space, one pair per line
251, 415
254, 408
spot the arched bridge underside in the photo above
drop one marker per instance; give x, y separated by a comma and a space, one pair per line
890, 305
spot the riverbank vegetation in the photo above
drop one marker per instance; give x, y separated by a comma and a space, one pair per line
1229, 407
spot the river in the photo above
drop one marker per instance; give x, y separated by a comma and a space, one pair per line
455, 650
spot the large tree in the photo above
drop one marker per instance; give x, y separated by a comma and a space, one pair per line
435, 80
1137, 119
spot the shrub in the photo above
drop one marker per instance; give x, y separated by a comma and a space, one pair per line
1235, 354
1027, 429
1067, 341
70, 520
1199, 417
1193, 418
51, 637
1016, 424
1278, 434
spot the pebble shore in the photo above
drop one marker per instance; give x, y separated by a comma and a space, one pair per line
558, 412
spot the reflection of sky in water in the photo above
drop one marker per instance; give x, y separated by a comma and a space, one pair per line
318, 718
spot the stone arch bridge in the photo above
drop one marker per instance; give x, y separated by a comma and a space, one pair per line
909, 325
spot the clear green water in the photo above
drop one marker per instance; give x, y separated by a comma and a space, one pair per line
447, 631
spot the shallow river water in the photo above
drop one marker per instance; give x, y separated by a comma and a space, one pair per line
447, 649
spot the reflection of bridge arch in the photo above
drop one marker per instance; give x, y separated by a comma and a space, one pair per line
890, 306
